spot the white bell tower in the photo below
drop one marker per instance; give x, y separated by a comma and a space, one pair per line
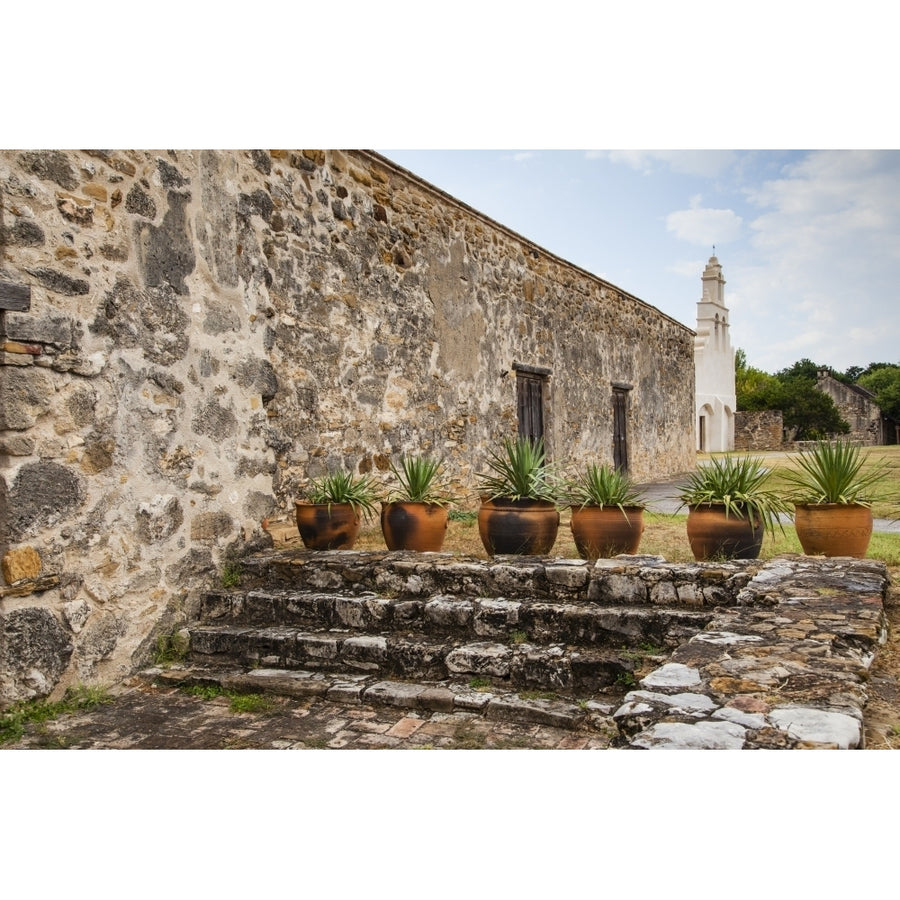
714, 365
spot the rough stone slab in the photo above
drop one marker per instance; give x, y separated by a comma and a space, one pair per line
277, 681
364, 648
694, 736
440, 699
346, 692
480, 659
672, 675
573, 575
468, 699
318, 646
449, 611
819, 727
394, 693
541, 712
687, 702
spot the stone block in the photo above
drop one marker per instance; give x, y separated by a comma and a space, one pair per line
42, 493
25, 395
395, 693
317, 646
19, 563
480, 659
36, 652
210, 526
448, 612
574, 575
159, 518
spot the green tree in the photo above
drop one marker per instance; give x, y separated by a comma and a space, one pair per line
803, 370
754, 389
883, 380
810, 411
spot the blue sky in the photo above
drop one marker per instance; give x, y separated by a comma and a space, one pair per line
809, 241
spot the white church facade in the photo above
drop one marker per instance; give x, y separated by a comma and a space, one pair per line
714, 365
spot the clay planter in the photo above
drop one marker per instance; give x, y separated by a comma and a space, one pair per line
602, 531
833, 529
715, 535
413, 526
327, 526
526, 527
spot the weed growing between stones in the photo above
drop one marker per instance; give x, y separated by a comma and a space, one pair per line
231, 573
238, 703
171, 648
480, 684
251, 703
466, 737
14, 721
518, 637
537, 695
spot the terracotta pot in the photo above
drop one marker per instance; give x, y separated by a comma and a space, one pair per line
414, 526
833, 529
606, 530
517, 526
324, 526
713, 534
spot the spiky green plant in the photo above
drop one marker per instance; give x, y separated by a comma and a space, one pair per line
601, 486
520, 472
737, 483
419, 481
361, 492
832, 473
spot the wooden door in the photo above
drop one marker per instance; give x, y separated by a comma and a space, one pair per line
530, 405
620, 429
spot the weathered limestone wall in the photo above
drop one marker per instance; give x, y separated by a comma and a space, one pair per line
209, 329
857, 408
758, 430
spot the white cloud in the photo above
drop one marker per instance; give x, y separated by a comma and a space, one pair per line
690, 268
827, 244
704, 226
703, 163
522, 156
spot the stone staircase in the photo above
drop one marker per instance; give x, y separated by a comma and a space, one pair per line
742, 654
548, 641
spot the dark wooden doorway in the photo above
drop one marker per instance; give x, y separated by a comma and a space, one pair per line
531, 384
620, 427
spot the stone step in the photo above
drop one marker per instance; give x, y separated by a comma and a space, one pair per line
590, 713
460, 618
526, 666
624, 580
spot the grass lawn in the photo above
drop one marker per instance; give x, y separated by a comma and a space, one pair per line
666, 535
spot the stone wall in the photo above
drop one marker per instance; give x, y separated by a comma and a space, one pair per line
758, 430
207, 330
857, 408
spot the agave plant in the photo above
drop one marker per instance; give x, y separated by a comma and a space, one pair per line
602, 486
419, 481
832, 473
361, 492
520, 472
738, 484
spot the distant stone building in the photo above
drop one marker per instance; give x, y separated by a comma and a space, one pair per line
857, 408
714, 365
